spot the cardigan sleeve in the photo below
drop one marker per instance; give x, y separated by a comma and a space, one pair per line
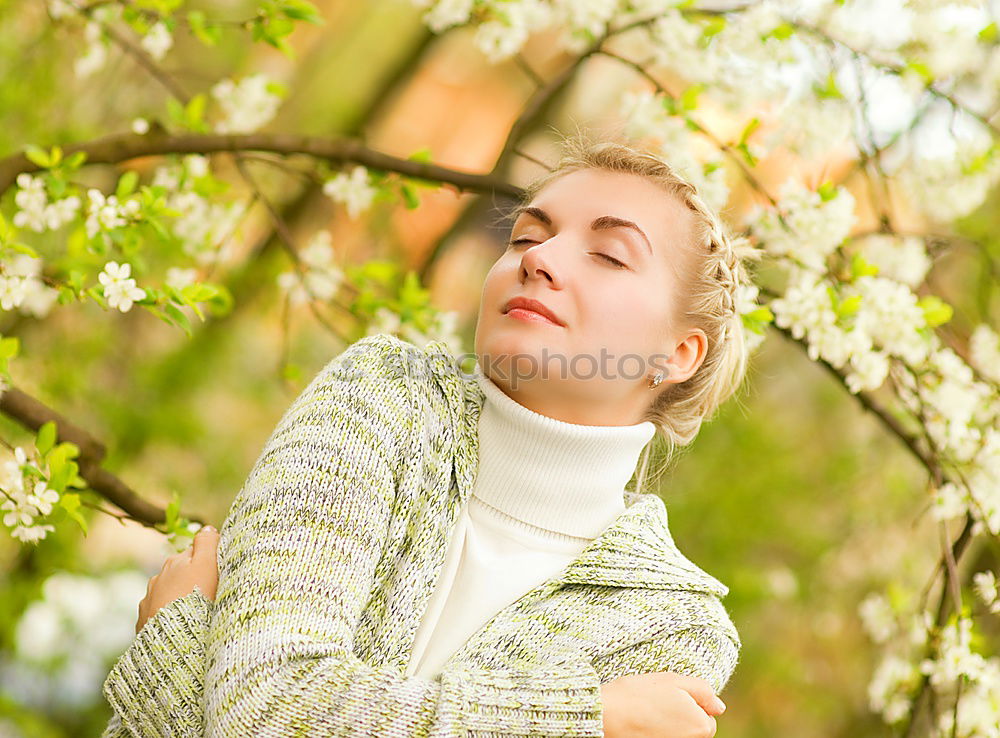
297, 561
706, 651
156, 686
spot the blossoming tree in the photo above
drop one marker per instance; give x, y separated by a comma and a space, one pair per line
880, 118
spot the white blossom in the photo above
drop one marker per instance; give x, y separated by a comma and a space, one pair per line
106, 213
903, 258
179, 278
816, 227
944, 38
955, 657
869, 370
43, 498
247, 105
384, 320
59, 9
96, 55
13, 290
73, 609
890, 315
811, 125
984, 350
351, 189
322, 277
119, 289
877, 617
34, 297
512, 24
140, 126
889, 685
985, 584
447, 13
22, 508
951, 184
157, 40
984, 483
952, 398
949, 501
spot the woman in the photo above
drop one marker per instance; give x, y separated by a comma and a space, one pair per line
419, 551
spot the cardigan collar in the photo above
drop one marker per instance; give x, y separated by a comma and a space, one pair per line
636, 549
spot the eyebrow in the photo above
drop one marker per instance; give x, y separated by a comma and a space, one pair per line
603, 223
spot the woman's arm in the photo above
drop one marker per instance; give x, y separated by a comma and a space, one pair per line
156, 687
704, 651
297, 559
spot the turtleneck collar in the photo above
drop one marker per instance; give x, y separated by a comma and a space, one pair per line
562, 477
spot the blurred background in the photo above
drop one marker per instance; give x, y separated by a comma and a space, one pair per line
796, 495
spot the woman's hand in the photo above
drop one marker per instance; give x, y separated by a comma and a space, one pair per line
197, 564
660, 705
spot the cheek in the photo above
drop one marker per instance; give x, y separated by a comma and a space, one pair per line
625, 314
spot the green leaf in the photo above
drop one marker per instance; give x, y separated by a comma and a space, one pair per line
303, 11
412, 201
291, 372
71, 504
195, 110
689, 98
173, 510
862, 268
762, 314
75, 160
782, 32
9, 347
921, 69
37, 155
936, 310
849, 306
748, 129
208, 34
61, 469
744, 149
827, 191
95, 293
46, 437
713, 26
423, 154
127, 183
988, 34
180, 318
829, 89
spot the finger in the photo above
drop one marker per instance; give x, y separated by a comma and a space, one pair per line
702, 693
206, 542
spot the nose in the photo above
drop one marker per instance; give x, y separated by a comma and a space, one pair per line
536, 261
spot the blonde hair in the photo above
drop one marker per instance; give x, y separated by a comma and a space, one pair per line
714, 272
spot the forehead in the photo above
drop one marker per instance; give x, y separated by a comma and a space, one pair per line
583, 195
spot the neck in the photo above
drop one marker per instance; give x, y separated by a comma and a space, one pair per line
563, 477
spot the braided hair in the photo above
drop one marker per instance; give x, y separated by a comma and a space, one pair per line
712, 275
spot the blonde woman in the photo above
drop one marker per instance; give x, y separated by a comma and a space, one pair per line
424, 551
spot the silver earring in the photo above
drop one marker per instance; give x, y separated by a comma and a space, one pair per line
655, 380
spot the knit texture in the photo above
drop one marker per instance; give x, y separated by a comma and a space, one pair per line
327, 561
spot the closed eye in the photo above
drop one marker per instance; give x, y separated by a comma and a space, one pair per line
611, 259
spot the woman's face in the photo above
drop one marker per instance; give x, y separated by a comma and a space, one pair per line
602, 251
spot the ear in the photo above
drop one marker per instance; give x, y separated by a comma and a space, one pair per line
687, 356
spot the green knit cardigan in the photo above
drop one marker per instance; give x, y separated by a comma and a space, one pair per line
328, 558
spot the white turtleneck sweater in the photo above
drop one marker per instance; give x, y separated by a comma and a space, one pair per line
544, 490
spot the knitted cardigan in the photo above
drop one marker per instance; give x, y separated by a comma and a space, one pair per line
329, 556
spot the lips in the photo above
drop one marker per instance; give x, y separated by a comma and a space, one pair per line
527, 303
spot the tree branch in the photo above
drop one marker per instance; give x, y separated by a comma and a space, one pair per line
33, 414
